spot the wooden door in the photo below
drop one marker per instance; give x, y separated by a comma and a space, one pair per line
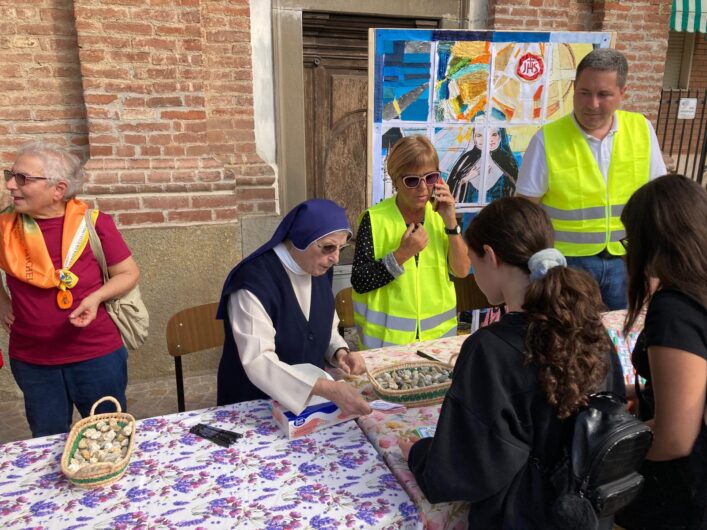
336, 98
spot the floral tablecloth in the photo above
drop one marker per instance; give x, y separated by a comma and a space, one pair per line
385, 429
331, 479
614, 323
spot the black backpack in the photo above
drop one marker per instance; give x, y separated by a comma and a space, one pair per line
598, 475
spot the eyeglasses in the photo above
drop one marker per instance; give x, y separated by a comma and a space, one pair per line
413, 181
624, 242
330, 248
20, 178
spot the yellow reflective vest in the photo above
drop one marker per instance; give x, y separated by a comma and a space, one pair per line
584, 209
421, 302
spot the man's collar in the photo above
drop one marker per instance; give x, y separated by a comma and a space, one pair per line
612, 130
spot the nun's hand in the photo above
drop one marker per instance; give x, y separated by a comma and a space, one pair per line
346, 397
350, 362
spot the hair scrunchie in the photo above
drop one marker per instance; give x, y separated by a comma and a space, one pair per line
544, 260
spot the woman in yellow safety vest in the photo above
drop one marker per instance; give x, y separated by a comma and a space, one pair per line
407, 246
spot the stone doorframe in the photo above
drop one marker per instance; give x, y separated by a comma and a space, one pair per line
289, 131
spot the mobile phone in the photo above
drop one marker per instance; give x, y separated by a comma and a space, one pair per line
433, 198
220, 437
426, 432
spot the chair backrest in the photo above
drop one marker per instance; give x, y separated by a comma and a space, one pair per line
344, 308
194, 329
469, 296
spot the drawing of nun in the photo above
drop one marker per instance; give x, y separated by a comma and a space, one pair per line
502, 169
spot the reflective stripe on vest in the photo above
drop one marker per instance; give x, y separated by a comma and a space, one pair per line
382, 319
582, 214
432, 322
584, 209
368, 343
588, 238
419, 304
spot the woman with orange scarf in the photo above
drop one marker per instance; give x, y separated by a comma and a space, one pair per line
65, 350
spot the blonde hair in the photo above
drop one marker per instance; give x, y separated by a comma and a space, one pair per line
409, 154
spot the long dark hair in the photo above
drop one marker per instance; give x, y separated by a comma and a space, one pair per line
666, 230
565, 336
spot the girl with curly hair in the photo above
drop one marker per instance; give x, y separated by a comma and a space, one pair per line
507, 416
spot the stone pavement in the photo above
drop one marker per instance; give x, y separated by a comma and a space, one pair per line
145, 399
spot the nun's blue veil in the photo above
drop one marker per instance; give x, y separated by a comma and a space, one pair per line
306, 223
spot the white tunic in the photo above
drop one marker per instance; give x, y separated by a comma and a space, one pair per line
254, 334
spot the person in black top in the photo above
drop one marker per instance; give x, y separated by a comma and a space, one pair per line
507, 415
666, 242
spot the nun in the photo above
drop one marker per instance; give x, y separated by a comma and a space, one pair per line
279, 317
501, 174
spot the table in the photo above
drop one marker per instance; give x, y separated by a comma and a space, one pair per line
331, 479
385, 429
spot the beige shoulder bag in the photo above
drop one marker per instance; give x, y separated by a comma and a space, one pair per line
128, 312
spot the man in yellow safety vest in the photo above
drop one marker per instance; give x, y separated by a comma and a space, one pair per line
584, 166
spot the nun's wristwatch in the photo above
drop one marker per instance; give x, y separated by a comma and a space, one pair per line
453, 231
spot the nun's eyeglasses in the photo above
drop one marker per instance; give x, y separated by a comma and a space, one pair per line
413, 181
330, 248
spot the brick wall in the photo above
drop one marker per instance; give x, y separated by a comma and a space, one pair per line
540, 15
641, 28
698, 74
40, 86
162, 93
230, 103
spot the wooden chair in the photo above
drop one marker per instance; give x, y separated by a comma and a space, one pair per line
191, 330
469, 296
344, 308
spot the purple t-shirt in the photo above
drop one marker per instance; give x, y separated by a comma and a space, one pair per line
42, 333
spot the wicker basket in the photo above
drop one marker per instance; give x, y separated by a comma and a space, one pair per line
411, 397
101, 473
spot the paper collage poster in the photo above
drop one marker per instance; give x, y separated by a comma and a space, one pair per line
479, 96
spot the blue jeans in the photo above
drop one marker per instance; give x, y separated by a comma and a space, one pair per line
610, 274
51, 391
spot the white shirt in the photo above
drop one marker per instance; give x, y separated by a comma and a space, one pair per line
532, 177
254, 334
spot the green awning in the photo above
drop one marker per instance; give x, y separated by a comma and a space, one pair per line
689, 15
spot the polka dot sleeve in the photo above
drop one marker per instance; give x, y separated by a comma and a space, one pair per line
367, 273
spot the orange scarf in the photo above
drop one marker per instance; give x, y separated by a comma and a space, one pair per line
24, 255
